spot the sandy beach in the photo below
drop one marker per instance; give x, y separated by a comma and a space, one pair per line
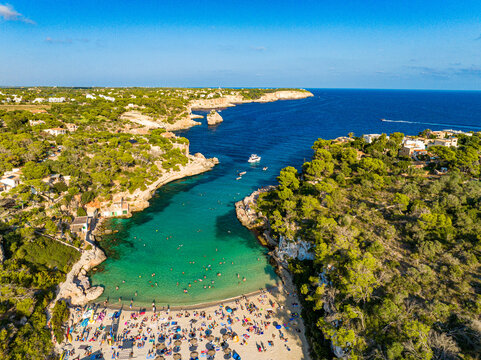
263, 325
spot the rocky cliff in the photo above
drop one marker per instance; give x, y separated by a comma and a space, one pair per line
76, 288
232, 100
197, 164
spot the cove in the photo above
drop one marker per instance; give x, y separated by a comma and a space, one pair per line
191, 225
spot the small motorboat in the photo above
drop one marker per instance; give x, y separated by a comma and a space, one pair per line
265, 168
238, 178
254, 158
242, 173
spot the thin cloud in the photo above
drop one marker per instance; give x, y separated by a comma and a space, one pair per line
258, 48
478, 38
65, 41
8, 13
447, 73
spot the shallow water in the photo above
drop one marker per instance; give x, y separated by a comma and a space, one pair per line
191, 223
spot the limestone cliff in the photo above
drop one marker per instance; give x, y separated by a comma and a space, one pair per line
150, 123
76, 288
232, 100
197, 164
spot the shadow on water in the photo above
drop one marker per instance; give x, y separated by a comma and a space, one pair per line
228, 222
159, 202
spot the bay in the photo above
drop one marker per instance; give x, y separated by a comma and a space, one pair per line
190, 231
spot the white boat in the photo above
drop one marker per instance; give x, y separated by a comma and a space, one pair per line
242, 173
254, 158
240, 177
265, 168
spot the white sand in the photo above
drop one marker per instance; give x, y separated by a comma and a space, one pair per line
287, 343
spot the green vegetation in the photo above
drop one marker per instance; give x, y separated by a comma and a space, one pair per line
33, 267
65, 148
397, 249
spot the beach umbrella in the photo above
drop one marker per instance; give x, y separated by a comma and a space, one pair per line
278, 327
227, 350
177, 356
228, 309
194, 354
160, 358
177, 342
161, 346
193, 341
236, 338
225, 336
210, 337
211, 352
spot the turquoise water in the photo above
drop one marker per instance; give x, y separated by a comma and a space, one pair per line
191, 223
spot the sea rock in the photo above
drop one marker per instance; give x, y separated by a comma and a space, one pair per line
214, 118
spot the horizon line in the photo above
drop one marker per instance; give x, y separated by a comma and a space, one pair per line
228, 87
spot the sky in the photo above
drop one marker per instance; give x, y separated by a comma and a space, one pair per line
407, 44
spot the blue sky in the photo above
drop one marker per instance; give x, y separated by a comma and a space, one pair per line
406, 44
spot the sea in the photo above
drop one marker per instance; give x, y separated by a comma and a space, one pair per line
189, 248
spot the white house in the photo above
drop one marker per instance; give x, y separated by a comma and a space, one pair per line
411, 147
38, 100
89, 96
71, 127
369, 138
118, 208
36, 122
11, 179
453, 141
56, 99
56, 131
81, 226
109, 98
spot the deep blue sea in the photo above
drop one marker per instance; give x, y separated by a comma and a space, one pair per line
191, 233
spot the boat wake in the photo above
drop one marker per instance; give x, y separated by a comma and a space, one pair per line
428, 123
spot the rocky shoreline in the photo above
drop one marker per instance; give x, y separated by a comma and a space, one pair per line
233, 100
223, 102
76, 288
197, 164
248, 217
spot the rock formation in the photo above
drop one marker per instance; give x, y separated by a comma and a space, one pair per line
214, 118
2, 256
76, 288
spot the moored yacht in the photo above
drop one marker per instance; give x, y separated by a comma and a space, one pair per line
254, 158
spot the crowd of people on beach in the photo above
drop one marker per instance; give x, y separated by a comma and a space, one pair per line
256, 323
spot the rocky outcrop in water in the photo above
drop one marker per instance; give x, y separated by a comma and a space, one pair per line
214, 118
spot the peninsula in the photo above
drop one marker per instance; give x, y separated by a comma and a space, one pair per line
380, 233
